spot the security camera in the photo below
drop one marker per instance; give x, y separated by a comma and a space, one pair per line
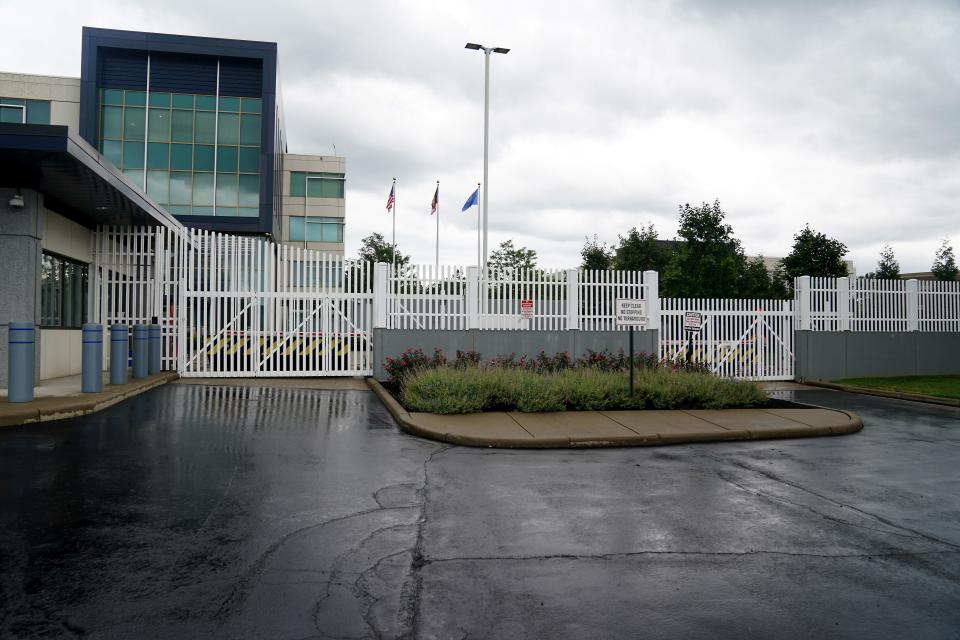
16, 202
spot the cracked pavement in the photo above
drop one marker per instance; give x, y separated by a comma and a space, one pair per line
247, 512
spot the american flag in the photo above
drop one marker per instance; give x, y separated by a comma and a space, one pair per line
436, 201
390, 199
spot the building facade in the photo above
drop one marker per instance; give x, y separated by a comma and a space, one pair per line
157, 130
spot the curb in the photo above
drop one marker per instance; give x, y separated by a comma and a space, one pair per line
853, 424
54, 408
883, 393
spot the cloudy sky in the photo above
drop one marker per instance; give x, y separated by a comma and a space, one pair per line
604, 115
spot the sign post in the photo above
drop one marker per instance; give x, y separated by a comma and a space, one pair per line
692, 323
631, 313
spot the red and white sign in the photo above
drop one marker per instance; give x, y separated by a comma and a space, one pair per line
526, 309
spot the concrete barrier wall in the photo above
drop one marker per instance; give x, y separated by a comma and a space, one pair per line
392, 342
852, 354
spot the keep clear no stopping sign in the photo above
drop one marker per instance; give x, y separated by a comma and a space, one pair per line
631, 313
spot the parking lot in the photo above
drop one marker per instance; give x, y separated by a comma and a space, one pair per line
257, 512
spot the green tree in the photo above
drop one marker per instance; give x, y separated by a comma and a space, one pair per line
944, 264
509, 257
888, 268
813, 254
374, 248
757, 282
596, 255
640, 251
710, 262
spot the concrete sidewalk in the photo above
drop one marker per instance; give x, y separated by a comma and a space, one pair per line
61, 398
618, 428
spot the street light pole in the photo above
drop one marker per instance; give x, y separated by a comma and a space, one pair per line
486, 134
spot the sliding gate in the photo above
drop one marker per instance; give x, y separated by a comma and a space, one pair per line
747, 339
235, 306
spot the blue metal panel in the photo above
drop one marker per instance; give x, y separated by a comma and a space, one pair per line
122, 69
241, 77
180, 73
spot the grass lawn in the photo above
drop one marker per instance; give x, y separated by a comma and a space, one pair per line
941, 386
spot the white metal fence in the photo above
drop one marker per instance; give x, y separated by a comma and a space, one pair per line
749, 339
866, 304
464, 297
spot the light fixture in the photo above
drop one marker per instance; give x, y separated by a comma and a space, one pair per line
16, 200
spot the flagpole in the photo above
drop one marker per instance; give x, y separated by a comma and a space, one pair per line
394, 209
479, 259
437, 255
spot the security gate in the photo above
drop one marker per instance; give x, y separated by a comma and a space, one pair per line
234, 306
747, 339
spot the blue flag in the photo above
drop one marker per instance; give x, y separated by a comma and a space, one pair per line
472, 200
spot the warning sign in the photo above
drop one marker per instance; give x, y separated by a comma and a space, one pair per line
526, 309
631, 313
692, 321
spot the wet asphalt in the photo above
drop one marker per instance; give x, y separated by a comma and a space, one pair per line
194, 512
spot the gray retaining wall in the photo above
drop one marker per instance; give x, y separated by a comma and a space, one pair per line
392, 342
852, 354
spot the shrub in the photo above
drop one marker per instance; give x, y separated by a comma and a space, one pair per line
412, 360
473, 389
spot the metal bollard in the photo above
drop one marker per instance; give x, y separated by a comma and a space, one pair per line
119, 346
141, 351
156, 341
91, 377
21, 363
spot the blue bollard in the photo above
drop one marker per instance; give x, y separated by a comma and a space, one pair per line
141, 351
156, 342
91, 378
119, 345
21, 363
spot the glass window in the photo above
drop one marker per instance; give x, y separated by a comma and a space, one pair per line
249, 160
252, 105
63, 292
38, 111
248, 212
249, 191
228, 128
158, 155
183, 101
135, 98
227, 211
181, 187
111, 123
206, 103
229, 104
135, 176
15, 114
159, 99
250, 130
201, 211
51, 291
113, 151
133, 155
203, 190
112, 96
324, 187
180, 209
158, 186
134, 122
159, 130
313, 229
298, 184
227, 189
204, 127
202, 158
181, 156
227, 159
181, 126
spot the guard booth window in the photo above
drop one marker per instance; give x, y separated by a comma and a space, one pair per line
63, 292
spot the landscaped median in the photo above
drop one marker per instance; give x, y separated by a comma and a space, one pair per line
554, 401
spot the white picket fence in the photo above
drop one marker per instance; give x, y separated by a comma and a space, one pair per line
866, 304
747, 339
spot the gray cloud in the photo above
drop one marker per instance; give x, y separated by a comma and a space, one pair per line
604, 116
